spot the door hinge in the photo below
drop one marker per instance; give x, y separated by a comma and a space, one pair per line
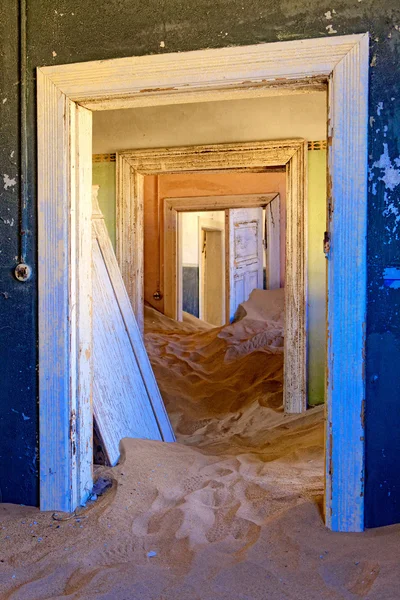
327, 243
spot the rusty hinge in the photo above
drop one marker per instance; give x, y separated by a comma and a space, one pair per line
327, 243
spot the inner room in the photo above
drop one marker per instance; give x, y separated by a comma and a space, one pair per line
221, 373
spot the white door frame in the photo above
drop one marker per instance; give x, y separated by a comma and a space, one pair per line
272, 234
65, 96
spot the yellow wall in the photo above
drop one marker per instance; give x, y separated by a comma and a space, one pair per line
104, 176
316, 274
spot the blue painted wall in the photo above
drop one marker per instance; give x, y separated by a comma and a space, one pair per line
64, 31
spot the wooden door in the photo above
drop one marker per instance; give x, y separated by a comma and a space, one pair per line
245, 255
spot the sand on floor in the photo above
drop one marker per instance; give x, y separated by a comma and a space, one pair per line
232, 511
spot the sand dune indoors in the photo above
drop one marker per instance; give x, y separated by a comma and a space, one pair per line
232, 511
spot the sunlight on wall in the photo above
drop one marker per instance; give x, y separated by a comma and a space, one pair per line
190, 233
104, 176
316, 275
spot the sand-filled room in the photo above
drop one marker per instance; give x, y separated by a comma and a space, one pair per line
201, 409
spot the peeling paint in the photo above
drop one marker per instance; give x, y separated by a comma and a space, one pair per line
391, 170
330, 29
4, 100
9, 222
8, 181
391, 277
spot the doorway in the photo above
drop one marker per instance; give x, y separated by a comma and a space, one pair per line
64, 176
212, 271
201, 267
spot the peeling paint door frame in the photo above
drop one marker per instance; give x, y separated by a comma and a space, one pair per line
65, 96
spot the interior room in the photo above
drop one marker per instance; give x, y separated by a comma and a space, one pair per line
199, 288
302, 116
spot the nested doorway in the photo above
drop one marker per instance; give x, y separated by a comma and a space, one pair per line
67, 95
233, 256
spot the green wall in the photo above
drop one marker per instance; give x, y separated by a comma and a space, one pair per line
316, 275
104, 176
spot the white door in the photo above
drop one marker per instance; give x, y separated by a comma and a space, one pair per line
273, 244
245, 254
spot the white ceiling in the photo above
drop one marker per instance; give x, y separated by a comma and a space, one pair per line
254, 119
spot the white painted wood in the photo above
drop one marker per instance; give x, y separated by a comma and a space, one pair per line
295, 364
126, 399
348, 120
273, 244
245, 265
203, 75
82, 333
283, 67
129, 239
64, 188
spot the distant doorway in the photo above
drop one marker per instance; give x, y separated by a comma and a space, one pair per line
212, 271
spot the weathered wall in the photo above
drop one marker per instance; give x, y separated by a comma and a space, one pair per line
65, 31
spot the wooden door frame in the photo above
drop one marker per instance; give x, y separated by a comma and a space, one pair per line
273, 263
66, 95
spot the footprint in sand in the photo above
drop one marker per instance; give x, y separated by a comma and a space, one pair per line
353, 579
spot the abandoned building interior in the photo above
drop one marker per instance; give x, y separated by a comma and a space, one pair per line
206, 451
